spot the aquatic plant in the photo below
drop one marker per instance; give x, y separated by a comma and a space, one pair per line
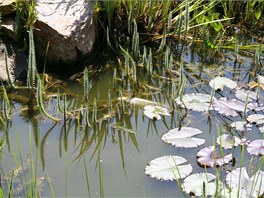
208, 156
32, 65
239, 181
40, 102
183, 137
218, 83
168, 168
154, 112
205, 184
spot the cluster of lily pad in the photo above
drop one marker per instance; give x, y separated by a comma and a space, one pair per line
237, 182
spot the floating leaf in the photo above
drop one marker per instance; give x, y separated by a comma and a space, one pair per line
199, 183
168, 167
208, 156
260, 79
154, 111
261, 129
241, 126
195, 101
139, 101
183, 137
228, 141
229, 193
256, 147
256, 119
244, 95
228, 107
218, 83
254, 106
238, 179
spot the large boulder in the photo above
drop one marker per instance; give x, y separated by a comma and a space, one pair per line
7, 6
68, 27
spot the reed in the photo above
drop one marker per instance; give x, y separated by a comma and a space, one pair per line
40, 102
32, 65
7, 66
6, 106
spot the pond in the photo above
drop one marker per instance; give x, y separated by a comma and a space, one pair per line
103, 142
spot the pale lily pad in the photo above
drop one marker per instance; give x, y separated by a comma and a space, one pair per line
208, 156
195, 183
168, 168
228, 107
139, 101
241, 126
238, 179
227, 141
229, 193
183, 137
260, 79
218, 83
254, 106
244, 95
256, 119
195, 101
261, 129
256, 147
154, 111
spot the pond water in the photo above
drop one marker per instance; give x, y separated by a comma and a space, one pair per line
109, 158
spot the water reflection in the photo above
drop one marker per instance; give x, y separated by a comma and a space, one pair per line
102, 142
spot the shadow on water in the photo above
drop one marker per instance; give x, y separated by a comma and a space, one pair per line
103, 141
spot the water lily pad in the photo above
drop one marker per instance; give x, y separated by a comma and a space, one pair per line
260, 79
154, 111
261, 129
229, 193
197, 183
254, 106
238, 179
195, 101
183, 137
256, 119
218, 83
256, 147
139, 101
168, 168
228, 107
244, 95
208, 156
241, 126
227, 141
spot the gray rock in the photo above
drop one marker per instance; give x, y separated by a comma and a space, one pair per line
68, 26
3, 62
8, 26
17, 62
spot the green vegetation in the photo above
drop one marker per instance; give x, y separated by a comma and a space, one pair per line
156, 23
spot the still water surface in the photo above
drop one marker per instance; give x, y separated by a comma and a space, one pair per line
123, 155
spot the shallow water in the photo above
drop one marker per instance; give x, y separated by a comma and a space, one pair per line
123, 155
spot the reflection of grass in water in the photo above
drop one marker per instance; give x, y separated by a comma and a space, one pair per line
23, 180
